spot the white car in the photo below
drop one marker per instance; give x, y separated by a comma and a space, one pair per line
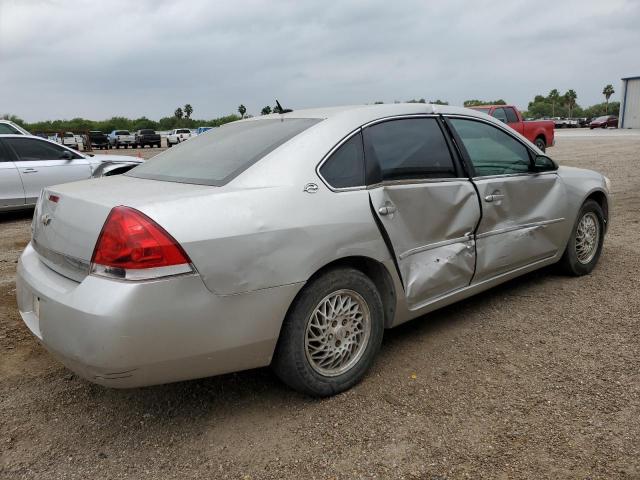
178, 135
121, 138
68, 139
29, 163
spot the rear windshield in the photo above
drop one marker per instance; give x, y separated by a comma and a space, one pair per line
183, 130
147, 132
123, 132
222, 154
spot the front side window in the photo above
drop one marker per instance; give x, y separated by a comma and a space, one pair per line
491, 151
407, 149
31, 149
345, 167
6, 128
499, 114
511, 115
222, 154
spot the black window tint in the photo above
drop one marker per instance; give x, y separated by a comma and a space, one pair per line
511, 115
345, 167
6, 128
223, 153
31, 149
407, 149
499, 114
4, 156
492, 151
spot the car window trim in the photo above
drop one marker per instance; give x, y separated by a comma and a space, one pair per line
329, 154
17, 158
467, 159
408, 181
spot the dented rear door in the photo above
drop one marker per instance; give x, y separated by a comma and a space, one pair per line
427, 212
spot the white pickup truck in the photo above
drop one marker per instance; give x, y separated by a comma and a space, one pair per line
121, 138
68, 139
178, 135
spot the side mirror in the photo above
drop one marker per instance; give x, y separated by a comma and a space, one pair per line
542, 163
66, 155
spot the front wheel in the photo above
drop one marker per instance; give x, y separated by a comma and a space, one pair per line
585, 244
541, 144
331, 334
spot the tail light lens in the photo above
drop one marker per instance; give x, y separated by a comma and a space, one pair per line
131, 246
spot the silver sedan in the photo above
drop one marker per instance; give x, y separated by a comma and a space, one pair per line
295, 240
29, 163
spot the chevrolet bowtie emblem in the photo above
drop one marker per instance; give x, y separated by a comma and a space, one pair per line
46, 219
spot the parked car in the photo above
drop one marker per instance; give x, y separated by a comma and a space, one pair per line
98, 140
147, 137
29, 163
121, 138
294, 240
7, 126
68, 139
200, 130
178, 135
540, 132
604, 121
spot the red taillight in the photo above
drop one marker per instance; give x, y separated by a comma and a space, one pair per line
134, 247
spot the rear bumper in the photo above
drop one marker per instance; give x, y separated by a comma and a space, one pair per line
131, 334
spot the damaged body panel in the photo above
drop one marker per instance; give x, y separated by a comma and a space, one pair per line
431, 228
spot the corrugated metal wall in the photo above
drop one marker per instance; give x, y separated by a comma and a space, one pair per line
631, 99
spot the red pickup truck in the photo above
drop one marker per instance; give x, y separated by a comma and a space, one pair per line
539, 132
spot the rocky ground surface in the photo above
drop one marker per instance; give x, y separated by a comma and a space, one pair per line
537, 378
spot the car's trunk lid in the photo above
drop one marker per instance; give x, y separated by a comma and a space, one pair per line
69, 218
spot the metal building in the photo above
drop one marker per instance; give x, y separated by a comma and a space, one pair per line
630, 104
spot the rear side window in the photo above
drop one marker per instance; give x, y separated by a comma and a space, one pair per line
491, 151
123, 132
407, 149
223, 153
345, 167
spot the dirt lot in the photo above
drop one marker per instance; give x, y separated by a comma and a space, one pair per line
538, 378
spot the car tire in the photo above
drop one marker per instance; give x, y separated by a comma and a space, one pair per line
583, 250
307, 333
168, 144
541, 144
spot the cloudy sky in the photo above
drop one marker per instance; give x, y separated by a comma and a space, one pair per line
97, 59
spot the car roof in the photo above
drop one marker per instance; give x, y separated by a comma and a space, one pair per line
368, 113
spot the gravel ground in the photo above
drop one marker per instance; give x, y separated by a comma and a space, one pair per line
537, 378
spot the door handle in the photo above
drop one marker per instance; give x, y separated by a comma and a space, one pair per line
387, 209
493, 197
29, 170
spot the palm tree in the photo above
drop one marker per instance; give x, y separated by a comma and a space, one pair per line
607, 92
554, 96
188, 110
178, 113
242, 110
570, 98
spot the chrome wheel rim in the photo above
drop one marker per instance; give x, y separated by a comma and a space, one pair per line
587, 237
337, 333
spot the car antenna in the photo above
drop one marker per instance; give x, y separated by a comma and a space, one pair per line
282, 110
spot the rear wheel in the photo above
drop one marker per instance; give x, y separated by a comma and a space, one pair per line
585, 245
331, 334
541, 144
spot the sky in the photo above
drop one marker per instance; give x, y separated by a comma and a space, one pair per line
98, 59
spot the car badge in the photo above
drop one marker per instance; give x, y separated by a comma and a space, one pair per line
310, 188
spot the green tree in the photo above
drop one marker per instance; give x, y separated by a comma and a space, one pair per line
570, 100
266, 110
478, 103
554, 98
439, 102
607, 92
178, 113
188, 110
378, 103
242, 110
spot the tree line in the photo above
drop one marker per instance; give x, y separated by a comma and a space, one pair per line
556, 105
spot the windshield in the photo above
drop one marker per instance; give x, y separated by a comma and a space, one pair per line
601, 119
222, 154
122, 132
147, 132
183, 130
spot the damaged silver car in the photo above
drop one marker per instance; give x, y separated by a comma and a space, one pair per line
294, 240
